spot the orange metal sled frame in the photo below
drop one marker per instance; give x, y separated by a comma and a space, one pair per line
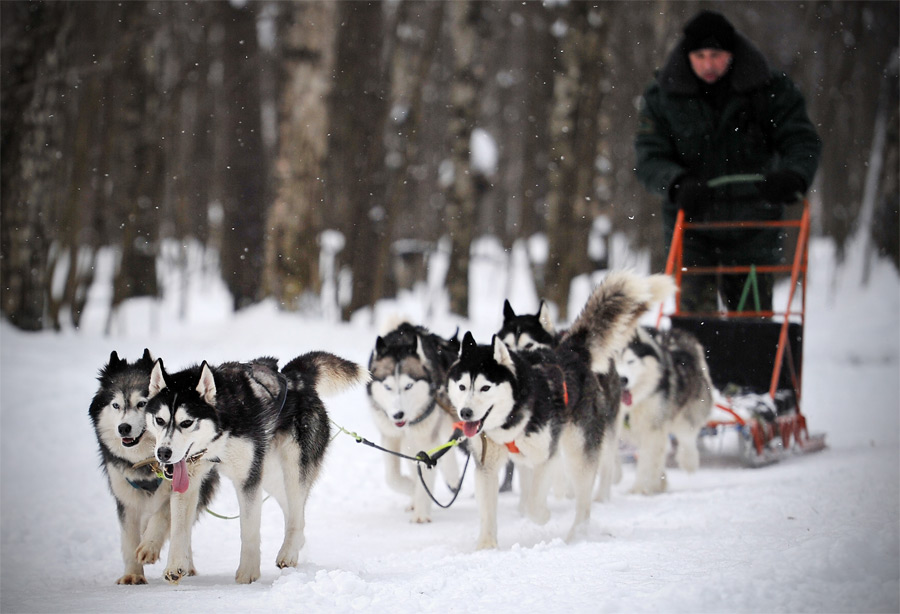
791, 429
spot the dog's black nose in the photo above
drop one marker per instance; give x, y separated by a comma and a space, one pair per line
164, 454
398, 415
124, 430
466, 414
624, 380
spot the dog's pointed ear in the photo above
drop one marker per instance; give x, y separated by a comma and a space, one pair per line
545, 319
453, 343
501, 352
420, 351
508, 313
468, 343
380, 347
147, 357
157, 378
114, 361
206, 387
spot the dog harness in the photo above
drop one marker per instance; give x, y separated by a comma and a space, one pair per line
511, 445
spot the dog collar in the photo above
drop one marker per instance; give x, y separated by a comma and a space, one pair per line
424, 415
150, 485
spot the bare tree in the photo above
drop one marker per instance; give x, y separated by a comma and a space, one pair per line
576, 131
33, 49
296, 218
242, 172
469, 33
355, 184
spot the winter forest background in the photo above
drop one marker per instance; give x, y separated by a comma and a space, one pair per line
327, 150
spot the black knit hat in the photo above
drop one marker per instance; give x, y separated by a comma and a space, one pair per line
708, 30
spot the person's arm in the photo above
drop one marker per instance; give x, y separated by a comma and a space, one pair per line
656, 164
792, 133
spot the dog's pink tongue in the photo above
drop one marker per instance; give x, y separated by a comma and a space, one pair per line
180, 478
626, 397
471, 428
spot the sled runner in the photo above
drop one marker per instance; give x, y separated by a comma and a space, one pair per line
754, 356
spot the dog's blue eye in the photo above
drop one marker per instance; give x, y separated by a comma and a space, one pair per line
408, 386
485, 388
186, 424
160, 422
116, 406
388, 388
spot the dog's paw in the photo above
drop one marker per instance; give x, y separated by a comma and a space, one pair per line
147, 553
649, 489
603, 495
420, 519
287, 558
486, 543
132, 579
402, 484
246, 575
539, 515
173, 575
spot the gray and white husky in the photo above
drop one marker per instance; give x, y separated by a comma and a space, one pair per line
531, 405
260, 428
666, 390
142, 499
409, 406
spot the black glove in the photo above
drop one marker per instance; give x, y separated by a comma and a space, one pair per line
691, 194
782, 187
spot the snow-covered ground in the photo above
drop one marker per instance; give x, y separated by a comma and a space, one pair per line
817, 533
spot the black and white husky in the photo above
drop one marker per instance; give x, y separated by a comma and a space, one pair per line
529, 332
142, 498
530, 405
409, 406
666, 390
260, 428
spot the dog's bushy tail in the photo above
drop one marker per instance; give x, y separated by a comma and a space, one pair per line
326, 373
612, 312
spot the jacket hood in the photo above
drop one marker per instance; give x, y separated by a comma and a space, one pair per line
749, 69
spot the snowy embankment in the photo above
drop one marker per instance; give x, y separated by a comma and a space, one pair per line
812, 534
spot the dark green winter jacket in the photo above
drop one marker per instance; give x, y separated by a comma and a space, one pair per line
761, 125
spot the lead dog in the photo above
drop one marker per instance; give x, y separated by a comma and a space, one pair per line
142, 498
666, 390
530, 405
260, 428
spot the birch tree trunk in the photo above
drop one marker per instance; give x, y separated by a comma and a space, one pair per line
297, 216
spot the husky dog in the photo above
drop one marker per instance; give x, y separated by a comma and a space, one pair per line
529, 405
260, 428
142, 498
528, 331
666, 389
407, 395
536, 331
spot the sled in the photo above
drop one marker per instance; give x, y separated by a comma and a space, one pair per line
754, 356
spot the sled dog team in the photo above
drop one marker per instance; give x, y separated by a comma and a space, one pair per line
555, 403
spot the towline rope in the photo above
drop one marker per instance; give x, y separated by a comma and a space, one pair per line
429, 458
